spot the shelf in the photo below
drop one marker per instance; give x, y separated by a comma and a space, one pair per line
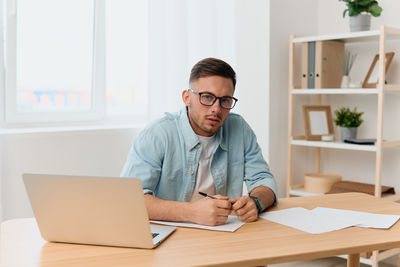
376, 37
395, 143
334, 145
366, 261
299, 191
335, 91
392, 87
352, 37
348, 91
381, 256
364, 36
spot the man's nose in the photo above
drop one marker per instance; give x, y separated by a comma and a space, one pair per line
217, 105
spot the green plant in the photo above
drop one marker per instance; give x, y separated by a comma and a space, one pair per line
355, 7
348, 118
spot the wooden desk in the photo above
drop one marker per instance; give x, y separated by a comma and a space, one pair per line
259, 243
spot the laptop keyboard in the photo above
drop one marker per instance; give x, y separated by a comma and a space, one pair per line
155, 234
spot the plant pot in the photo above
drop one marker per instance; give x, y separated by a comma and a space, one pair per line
360, 22
348, 133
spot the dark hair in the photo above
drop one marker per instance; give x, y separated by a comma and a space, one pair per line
212, 66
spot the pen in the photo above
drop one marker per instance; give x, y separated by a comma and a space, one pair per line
206, 195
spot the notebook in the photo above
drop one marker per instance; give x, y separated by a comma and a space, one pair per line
107, 211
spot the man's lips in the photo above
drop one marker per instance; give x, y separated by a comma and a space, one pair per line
213, 120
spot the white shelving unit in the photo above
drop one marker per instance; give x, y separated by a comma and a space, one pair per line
380, 36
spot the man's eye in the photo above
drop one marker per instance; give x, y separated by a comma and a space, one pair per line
227, 100
207, 97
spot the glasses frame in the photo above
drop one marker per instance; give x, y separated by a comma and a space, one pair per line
215, 99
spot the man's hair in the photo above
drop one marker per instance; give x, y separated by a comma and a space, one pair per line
210, 67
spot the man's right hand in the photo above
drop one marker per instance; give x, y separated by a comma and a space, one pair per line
208, 211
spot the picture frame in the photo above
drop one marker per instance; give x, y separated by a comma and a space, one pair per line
317, 121
371, 79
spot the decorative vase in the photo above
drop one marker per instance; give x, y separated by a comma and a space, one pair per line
345, 81
348, 133
360, 22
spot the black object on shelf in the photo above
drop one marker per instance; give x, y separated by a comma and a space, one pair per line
362, 141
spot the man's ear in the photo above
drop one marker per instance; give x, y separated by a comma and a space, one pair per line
185, 97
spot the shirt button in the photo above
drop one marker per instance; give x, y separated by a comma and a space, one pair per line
191, 172
198, 145
186, 195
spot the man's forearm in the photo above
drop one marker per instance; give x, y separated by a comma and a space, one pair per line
167, 210
266, 195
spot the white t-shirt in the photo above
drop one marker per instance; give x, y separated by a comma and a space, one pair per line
204, 179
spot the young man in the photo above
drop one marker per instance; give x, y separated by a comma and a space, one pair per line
202, 148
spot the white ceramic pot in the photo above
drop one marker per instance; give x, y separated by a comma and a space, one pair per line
360, 22
345, 81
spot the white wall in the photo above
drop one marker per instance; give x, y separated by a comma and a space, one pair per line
330, 18
100, 153
285, 20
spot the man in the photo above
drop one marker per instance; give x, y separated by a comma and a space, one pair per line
202, 148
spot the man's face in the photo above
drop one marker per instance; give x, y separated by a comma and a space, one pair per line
207, 120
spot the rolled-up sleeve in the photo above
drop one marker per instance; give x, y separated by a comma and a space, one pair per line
256, 169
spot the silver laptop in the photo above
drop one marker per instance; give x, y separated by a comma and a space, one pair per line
92, 210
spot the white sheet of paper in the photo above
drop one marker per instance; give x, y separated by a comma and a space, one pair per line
231, 225
322, 220
363, 219
305, 220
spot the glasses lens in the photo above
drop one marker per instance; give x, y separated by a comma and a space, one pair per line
207, 99
227, 102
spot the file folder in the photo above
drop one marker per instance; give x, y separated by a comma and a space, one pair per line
321, 64
311, 64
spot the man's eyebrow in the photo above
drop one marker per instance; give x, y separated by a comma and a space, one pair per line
206, 92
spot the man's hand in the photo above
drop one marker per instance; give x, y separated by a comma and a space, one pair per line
245, 208
208, 211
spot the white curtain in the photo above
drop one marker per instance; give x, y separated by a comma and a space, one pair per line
182, 32
2, 84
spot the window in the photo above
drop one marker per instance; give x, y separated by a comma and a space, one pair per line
74, 60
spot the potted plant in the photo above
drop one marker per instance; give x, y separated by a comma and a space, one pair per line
360, 12
348, 120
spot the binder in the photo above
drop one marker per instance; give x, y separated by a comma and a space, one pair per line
311, 64
321, 65
304, 65
329, 57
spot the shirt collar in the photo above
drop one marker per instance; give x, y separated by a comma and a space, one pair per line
191, 139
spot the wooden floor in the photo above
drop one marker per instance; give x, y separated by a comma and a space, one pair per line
328, 262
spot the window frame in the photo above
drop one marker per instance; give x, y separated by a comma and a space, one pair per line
98, 90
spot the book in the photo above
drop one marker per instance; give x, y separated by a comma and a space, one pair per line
364, 141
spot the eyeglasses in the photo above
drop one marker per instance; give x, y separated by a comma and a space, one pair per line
208, 99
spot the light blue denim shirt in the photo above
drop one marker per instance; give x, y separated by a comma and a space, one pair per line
165, 156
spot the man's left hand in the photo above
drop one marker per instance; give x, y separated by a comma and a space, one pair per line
245, 208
